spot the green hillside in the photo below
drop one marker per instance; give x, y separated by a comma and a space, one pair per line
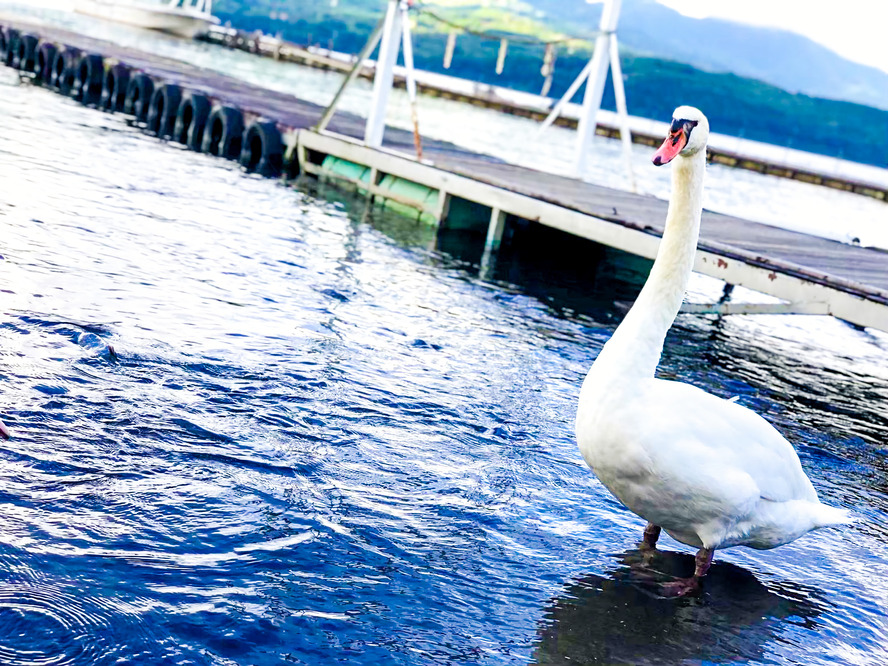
654, 87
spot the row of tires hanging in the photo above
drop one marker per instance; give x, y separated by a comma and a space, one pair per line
163, 109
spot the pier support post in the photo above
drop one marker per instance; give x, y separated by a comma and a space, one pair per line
443, 208
292, 164
376, 177
494, 238
385, 75
595, 84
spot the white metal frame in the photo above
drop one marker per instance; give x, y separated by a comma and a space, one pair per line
385, 74
594, 74
358, 65
395, 35
597, 75
407, 45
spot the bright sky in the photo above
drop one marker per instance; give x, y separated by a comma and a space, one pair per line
855, 29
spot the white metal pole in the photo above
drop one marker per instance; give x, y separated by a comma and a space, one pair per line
385, 75
501, 56
595, 84
556, 110
358, 65
622, 111
407, 45
448, 50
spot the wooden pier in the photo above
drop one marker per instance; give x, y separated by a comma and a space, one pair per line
738, 153
272, 132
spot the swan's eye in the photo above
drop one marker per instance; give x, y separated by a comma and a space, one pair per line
681, 126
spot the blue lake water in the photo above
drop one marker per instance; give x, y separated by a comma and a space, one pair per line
257, 424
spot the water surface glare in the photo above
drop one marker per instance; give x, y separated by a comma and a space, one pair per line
254, 426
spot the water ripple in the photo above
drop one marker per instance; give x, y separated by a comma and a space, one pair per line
254, 425
51, 625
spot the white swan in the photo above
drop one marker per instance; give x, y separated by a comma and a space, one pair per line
710, 472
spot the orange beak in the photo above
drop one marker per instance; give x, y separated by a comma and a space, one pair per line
672, 146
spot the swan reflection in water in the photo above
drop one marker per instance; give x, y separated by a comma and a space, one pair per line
622, 619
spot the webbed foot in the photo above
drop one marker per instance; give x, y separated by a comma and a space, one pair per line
680, 587
685, 586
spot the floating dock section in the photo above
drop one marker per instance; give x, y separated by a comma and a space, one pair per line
271, 133
729, 151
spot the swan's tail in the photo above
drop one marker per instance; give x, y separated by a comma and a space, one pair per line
830, 516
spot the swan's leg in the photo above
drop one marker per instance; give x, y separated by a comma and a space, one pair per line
703, 561
651, 534
683, 586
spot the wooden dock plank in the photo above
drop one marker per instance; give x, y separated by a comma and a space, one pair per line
868, 266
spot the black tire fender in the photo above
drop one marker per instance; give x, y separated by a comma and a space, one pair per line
263, 149
88, 83
224, 132
26, 52
64, 69
10, 45
163, 109
191, 120
46, 54
138, 96
114, 87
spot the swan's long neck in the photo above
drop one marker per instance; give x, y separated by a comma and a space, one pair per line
633, 351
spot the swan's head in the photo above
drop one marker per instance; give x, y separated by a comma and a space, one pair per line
687, 135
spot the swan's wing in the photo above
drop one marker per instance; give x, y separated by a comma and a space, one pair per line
695, 464
692, 428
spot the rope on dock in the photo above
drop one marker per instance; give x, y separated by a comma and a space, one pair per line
548, 67
423, 8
